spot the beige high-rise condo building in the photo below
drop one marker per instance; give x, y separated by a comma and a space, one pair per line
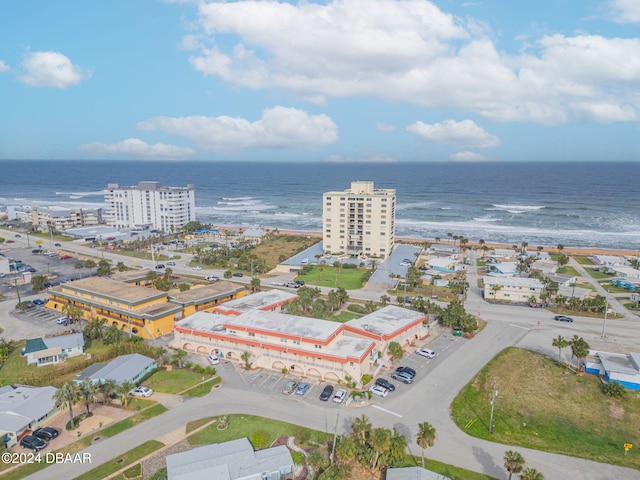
150, 205
359, 220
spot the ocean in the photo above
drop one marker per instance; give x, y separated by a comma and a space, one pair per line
574, 204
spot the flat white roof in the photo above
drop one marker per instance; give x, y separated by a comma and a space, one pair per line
257, 301
387, 320
512, 281
203, 322
273, 322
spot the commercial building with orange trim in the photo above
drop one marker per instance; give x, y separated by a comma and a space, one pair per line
267, 301
310, 347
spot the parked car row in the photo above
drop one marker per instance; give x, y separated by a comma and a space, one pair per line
39, 439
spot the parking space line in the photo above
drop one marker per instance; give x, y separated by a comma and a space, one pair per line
387, 411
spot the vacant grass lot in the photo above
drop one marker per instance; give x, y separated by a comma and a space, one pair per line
271, 249
174, 381
112, 466
598, 275
325, 276
542, 405
244, 425
582, 260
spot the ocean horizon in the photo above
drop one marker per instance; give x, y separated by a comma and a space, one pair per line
577, 204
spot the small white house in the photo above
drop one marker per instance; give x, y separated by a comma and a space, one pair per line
615, 367
52, 350
24, 408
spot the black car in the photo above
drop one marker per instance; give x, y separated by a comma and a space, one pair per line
46, 433
409, 371
160, 265
33, 442
383, 382
327, 393
299, 282
562, 318
237, 274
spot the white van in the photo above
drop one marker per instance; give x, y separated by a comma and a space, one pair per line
304, 261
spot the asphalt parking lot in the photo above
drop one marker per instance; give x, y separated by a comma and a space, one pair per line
271, 382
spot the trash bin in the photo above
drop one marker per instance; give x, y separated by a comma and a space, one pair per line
457, 332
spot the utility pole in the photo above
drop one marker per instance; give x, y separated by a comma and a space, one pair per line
606, 310
335, 437
494, 394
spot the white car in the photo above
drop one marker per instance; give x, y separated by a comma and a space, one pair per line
379, 391
141, 392
340, 395
211, 278
62, 321
213, 359
425, 352
197, 268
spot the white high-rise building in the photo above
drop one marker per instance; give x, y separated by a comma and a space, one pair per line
359, 220
149, 205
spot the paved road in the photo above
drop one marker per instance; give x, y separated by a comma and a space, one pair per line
428, 400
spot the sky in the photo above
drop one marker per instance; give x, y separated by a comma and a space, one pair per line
329, 81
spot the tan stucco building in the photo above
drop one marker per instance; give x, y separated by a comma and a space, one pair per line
359, 220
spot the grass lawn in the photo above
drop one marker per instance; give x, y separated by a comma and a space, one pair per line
543, 406
174, 381
598, 275
582, 260
567, 270
345, 316
201, 389
122, 461
15, 369
271, 249
325, 276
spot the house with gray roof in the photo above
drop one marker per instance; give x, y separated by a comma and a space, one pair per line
24, 408
233, 460
125, 368
615, 367
413, 473
52, 350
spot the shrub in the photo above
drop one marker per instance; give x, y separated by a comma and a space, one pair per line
298, 457
198, 369
260, 440
366, 378
210, 371
356, 308
187, 365
614, 389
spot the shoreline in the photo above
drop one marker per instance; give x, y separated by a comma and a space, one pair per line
587, 251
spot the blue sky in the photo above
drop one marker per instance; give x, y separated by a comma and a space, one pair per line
335, 81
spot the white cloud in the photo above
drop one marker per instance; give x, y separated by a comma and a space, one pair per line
465, 133
4, 67
384, 127
279, 127
467, 157
51, 69
411, 51
625, 11
134, 147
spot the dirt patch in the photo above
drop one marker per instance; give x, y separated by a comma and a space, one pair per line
616, 412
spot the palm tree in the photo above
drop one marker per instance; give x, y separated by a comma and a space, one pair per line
560, 342
426, 437
385, 300
380, 440
67, 395
179, 356
94, 329
124, 392
531, 474
87, 390
361, 428
89, 265
255, 284
107, 388
513, 462
579, 349
346, 450
79, 265
72, 312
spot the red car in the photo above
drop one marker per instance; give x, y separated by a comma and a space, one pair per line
65, 257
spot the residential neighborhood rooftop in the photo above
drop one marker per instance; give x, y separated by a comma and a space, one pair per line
22, 405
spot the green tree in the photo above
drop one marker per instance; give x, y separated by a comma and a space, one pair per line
579, 349
124, 390
73, 313
67, 395
79, 265
107, 389
513, 462
37, 282
531, 474
121, 267
560, 342
89, 265
246, 356
228, 274
345, 450
317, 461
104, 268
361, 428
93, 330
112, 335
426, 437
183, 287
255, 284
178, 356
381, 442
87, 391
385, 300
395, 350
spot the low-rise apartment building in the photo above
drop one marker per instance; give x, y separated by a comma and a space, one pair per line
512, 289
268, 300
